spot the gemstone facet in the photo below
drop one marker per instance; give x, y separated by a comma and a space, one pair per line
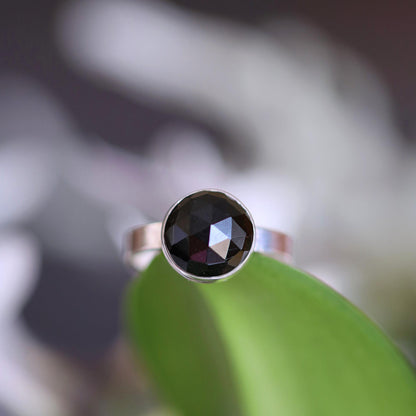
208, 234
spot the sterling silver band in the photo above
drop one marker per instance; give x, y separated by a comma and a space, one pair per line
145, 242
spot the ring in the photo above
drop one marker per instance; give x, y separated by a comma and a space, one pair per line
206, 236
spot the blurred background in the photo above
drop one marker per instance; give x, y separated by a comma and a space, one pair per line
110, 110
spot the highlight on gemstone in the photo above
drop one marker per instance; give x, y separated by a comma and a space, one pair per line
208, 234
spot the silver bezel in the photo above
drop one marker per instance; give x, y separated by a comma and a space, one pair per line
193, 277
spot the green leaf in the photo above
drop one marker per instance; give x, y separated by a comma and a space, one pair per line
272, 340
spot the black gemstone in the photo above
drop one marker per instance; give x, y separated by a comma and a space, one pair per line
208, 234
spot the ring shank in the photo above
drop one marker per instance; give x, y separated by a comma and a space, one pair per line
145, 242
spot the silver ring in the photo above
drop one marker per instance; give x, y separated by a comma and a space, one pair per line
206, 236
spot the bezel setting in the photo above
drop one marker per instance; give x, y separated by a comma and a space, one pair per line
215, 278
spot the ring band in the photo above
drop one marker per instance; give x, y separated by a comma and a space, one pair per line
144, 242
226, 232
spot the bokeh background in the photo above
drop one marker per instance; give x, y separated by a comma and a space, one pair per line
111, 110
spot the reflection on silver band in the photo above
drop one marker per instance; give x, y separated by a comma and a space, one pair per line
145, 242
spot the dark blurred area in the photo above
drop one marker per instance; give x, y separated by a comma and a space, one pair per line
382, 32
111, 110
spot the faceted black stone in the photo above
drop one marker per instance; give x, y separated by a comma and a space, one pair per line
208, 234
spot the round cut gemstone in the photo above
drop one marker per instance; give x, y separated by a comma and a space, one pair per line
208, 234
